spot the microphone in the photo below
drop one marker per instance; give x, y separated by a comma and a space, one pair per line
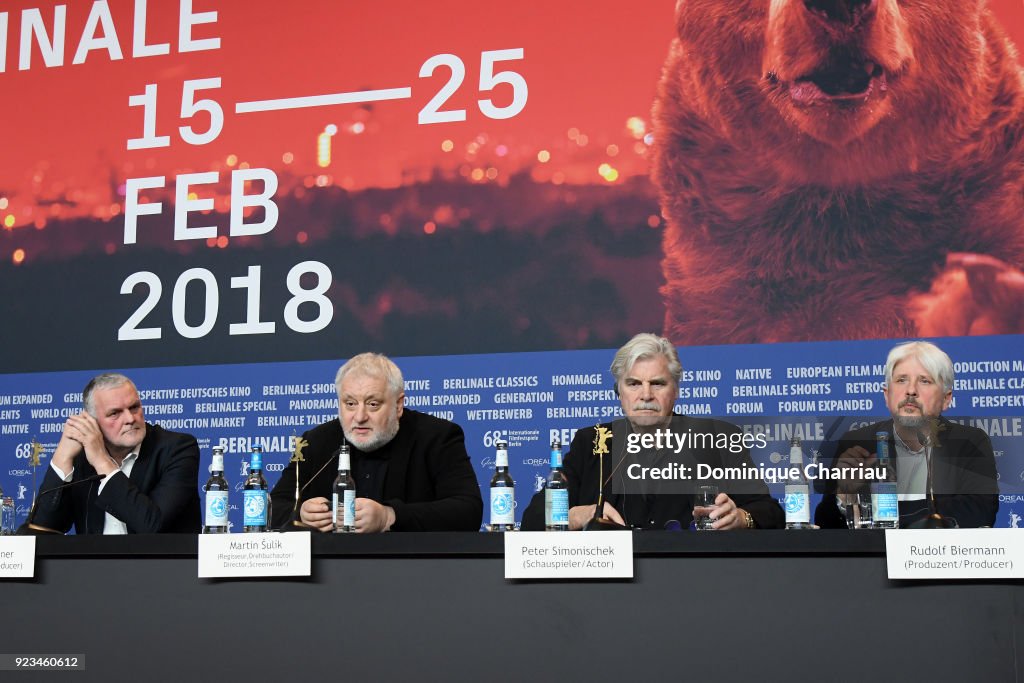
294, 519
934, 520
28, 526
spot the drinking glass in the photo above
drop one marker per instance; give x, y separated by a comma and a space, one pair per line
858, 510
703, 503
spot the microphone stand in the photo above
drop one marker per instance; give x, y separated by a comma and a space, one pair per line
599, 522
30, 528
294, 522
934, 520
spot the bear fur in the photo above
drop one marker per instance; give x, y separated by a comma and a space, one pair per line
840, 169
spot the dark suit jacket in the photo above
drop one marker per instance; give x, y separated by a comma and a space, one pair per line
581, 473
964, 476
430, 481
161, 496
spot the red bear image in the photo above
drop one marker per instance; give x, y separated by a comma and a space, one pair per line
840, 169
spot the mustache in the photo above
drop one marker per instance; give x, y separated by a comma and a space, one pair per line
909, 402
646, 405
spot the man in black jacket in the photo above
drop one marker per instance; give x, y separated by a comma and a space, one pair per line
946, 472
647, 373
114, 474
411, 470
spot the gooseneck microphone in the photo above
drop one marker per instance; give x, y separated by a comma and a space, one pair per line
934, 520
294, 519
29, 525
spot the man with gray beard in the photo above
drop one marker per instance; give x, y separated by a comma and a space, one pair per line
935, 458
411, 470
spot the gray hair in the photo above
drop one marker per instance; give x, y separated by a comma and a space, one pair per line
107, 380
374, 365
641, 347
933, 359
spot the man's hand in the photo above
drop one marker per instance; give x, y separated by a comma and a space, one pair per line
84, 429
67, 450
853, 458
316, 513
581, 514
724, 514
372, 517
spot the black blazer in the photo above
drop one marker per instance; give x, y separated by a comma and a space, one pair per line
161, 496
964, 476
430, 481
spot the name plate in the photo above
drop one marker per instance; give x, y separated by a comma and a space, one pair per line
17, 557
245, 555
954, 553
569, 555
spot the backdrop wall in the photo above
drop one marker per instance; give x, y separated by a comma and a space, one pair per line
226, 200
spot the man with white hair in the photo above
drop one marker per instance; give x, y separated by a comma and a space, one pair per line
647, 371
942, 468
114, 474
411, 470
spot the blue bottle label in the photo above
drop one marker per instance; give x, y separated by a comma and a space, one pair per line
797, 509
556, 506
885, 501
345, 514
216, 508
255, 508
503, 509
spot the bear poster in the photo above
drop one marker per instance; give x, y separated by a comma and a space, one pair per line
811, 171
840, 169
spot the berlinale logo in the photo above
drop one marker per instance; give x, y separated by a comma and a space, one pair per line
1014, 520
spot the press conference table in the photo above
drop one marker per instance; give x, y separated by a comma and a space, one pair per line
758, 606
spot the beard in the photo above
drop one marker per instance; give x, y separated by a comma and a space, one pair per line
912, 421
378, 439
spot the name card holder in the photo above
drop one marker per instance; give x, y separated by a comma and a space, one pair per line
569, 555
17, 557
954, 554
232, 556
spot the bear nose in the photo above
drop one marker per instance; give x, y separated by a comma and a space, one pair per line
849, 12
